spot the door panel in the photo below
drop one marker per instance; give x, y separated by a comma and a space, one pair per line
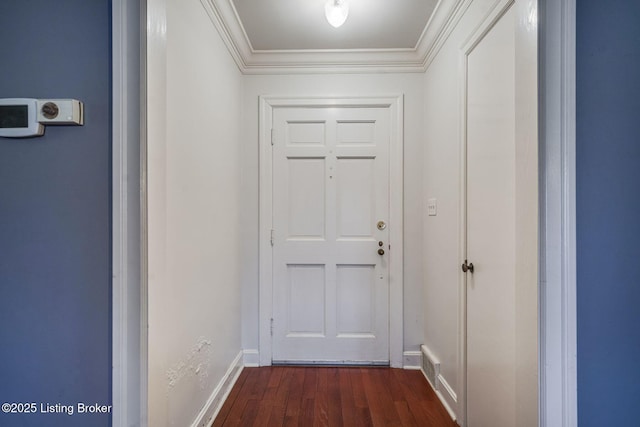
355, 181
355, 302
330, 188
491, 228
305, 300
306, 210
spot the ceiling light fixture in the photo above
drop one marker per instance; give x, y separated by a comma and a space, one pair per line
336, 12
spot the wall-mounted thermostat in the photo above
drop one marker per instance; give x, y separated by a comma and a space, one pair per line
26, 117
19, 118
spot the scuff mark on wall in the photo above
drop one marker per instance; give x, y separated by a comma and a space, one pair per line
196, 364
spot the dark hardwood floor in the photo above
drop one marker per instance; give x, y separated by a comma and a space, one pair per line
332, 396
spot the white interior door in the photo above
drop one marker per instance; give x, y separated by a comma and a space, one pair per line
491, 226
330, 191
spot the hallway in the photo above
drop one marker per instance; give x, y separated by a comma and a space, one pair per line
229, 203
132, 268
332, 396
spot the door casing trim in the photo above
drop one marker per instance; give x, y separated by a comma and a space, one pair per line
129, 302
558, 277
396, 200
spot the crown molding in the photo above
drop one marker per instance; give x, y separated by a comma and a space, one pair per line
443, 20
225, 18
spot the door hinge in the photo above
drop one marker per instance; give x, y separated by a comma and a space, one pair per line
272, 326
272, 232
273, 133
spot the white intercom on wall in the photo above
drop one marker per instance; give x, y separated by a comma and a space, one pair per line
26, 117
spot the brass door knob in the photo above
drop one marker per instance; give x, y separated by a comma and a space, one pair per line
380, 251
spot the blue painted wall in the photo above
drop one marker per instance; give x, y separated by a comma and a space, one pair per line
55, 296
608, 211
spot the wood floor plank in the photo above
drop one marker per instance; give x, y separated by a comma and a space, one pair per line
383, 395
359, 396
308, 413
238, 405
431, 402
321, 399
267, 402
310, 383
277, 372
249, 415
332, 397
394, 380
423, 403
231, 398
279, 406
414, 399
406, 417
347, 401
373, 401
294, 399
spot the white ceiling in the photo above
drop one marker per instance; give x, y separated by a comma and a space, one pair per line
293, 36
301, 24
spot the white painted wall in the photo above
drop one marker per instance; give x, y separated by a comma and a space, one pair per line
193, 211
411, 85
441, 251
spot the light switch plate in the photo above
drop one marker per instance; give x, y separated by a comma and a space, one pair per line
432, 207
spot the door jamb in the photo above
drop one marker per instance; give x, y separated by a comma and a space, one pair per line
557, 287
129, 359
396, 152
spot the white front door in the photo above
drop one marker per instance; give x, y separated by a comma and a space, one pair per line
330, 235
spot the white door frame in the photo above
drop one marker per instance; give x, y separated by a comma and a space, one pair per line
129, 301
557, 289
395, 105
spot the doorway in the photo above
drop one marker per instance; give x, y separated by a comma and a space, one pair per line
331, 231
500, 224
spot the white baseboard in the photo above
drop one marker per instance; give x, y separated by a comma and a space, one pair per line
251, 358
216, 400
447, 396
412, 360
